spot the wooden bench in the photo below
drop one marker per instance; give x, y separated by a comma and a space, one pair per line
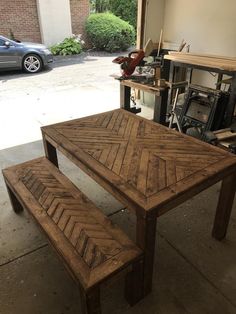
91, 247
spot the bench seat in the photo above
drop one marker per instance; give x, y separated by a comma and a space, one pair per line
89, 244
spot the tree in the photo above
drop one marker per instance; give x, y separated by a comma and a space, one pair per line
100, 6
126, 10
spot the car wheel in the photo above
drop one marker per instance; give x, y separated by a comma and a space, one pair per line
32, 63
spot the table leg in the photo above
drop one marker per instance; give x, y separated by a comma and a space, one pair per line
90, 301
140, 284
224, 207
50, 152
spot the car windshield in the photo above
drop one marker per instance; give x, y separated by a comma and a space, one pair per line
13, 41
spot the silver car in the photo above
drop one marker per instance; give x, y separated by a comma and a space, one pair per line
30, 57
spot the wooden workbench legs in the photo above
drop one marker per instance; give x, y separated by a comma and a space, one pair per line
50, 152
160, 112
224, 207
160, 102
231, 104
125, 92
139, 281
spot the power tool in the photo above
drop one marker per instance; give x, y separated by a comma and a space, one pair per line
128, 64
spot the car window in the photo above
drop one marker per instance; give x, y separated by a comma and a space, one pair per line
2, 42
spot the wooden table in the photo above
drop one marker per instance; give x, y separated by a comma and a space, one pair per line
160, 94
148, 167
211, 63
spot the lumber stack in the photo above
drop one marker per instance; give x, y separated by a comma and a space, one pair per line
206, 60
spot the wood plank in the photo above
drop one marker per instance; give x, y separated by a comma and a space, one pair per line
143, 170
148, 88
202, 55
210, 62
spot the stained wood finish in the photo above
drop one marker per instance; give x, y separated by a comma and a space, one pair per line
91, 246
16, 205
145, 238
91, 302
224, 207
147, 163
50, 152
146, 166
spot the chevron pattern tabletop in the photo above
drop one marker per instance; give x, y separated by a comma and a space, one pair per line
147, 162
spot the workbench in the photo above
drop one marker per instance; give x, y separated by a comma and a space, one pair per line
160, 94
217, 64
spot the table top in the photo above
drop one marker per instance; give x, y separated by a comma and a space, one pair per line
143, 164
221, 63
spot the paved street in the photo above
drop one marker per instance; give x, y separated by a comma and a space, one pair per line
70, 88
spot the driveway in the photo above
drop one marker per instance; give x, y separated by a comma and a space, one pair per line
71, 88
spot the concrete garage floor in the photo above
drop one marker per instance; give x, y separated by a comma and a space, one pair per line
193, 272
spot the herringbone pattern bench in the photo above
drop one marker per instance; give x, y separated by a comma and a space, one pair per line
90, 245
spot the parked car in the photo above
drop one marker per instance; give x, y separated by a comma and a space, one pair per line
30, 57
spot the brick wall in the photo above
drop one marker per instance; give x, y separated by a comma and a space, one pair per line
21, 16
79, 14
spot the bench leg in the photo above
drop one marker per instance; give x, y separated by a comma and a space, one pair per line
134, 283
224, 207
90, 302
16, 205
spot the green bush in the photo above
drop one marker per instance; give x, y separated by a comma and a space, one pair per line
69, 46
108, 32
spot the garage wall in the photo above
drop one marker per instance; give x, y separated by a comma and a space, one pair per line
54, 20
209, 26
22, 18
155, 13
